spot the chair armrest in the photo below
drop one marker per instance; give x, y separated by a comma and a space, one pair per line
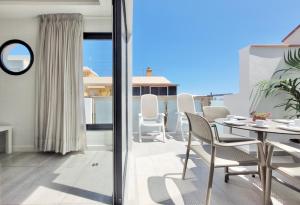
140, 116
234, 144
289, 149
182, 114
213, 124
199, 113
162, 114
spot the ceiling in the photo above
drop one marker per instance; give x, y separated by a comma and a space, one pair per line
33, 8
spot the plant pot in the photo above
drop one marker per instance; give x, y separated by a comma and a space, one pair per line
258, 118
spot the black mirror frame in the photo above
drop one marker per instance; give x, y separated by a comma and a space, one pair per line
4, 68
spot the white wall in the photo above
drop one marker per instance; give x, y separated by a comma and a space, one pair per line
239, 103
258, 63
17, 93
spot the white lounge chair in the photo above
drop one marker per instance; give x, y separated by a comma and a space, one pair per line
291, 170
217, 154
185, 103
150, 116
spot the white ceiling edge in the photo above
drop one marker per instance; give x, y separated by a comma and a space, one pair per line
51, 2
102, 10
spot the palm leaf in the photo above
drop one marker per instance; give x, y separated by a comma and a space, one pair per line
292, 59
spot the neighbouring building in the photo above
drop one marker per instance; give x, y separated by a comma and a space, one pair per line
95, 85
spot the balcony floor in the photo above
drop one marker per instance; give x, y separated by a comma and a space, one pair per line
158, 177
47, 178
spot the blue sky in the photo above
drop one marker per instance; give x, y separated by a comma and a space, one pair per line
92, 49
195, 43
19, 50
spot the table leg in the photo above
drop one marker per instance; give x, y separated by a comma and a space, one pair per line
261, 136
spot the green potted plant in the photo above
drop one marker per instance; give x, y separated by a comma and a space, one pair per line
284, 81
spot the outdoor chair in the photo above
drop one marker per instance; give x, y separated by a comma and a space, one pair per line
185, 103
213, 112
150, 116
217, 154
290, 170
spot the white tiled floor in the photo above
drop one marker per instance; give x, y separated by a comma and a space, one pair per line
39, 178
159, 168
47, 178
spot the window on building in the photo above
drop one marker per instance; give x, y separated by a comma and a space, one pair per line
155, 90
163, 91
159, 90
136, 91
172, 90
145, 90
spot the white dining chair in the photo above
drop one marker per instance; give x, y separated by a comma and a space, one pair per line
211, 113
290, 170
185, 103
217, 154
150, 116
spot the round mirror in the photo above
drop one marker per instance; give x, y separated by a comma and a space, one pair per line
16, 57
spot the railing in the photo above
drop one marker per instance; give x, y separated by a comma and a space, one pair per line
99, 109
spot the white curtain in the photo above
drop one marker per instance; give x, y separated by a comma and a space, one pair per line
60, 123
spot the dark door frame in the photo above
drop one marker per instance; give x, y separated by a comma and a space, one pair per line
119, 74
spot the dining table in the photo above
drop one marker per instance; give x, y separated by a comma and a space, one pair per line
270, 126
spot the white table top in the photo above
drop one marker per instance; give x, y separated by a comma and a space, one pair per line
271, 129
4, 127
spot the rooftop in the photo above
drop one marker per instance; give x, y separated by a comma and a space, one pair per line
136, 80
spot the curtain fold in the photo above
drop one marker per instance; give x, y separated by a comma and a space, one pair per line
60, 118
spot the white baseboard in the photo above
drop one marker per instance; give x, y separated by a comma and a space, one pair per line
30, 148
99, 147
24, 148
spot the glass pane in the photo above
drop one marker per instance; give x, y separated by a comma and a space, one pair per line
15, 57
97, 71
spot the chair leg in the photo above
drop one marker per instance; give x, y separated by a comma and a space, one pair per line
267, 191
209, 186
163, 132
186, 162
140, 133
226, 170
177, 123
181, 131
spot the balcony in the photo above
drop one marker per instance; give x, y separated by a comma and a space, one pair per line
158, 170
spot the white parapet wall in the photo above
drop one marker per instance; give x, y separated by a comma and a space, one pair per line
88, 102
